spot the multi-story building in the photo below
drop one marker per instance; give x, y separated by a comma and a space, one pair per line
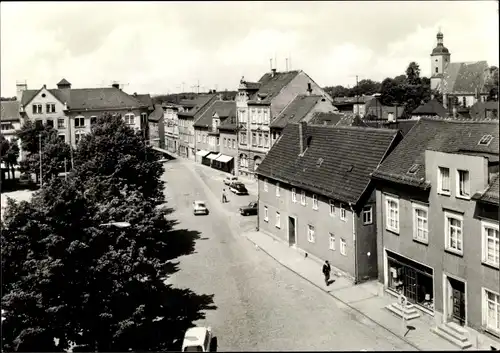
156, 122
208, 139
229, 141
10, 121
461, 82
352, 105
258, 104
437, 244
171, 123
72, 111
315, 193
192, 110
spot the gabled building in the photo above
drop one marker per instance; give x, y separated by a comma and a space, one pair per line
315, 193
10, 121
72, 111
431, 109
192, 110
484, 110
156, 121
208, 139
258, 104
171, 123
437, 221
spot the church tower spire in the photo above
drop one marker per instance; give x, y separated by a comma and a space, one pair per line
440, 57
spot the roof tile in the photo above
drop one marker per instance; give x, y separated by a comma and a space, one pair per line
296, 110
224, 109
10, 111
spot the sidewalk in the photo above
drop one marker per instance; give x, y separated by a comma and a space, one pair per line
364, 300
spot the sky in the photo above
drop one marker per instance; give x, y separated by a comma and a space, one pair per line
167, 47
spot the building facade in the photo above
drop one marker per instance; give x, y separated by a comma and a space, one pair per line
259, 103
10, 121
316, 195
171, 126
437, 245
156, 121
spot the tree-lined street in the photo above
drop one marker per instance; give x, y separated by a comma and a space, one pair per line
260, 304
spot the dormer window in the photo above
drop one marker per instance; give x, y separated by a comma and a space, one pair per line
485, 140
215, 124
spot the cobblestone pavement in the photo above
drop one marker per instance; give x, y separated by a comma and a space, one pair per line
261, 305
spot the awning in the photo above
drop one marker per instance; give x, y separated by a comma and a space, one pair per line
202, 153
223, 158
214, 155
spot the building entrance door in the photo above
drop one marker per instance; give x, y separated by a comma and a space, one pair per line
291, 231
410, 283
457, 300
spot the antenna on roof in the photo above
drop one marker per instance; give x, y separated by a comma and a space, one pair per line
290, 59
286, 64
271, 63
275, 61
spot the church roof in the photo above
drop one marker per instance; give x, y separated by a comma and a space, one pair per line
465, 77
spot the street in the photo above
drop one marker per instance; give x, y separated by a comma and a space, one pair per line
260, 304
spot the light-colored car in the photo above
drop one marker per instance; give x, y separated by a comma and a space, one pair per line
199, 207
197, 339
230, 179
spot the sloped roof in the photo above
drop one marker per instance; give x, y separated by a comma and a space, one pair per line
229, 124
271, 85
296, 110
442, 135
145, 99
10, 111
224, 109
432, 107
351, 120
64, 82
337, 163
481, 110
465, 77
321, 118
198, 105
491, 194
352, 100
157, 114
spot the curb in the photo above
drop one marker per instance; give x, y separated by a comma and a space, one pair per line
335, 297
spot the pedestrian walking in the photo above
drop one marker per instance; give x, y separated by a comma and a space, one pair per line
326, 271
224, 197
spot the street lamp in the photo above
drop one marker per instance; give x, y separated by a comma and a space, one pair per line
116, 224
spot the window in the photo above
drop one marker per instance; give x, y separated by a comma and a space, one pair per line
437, 70
254, 116
225, 142
60, 124
491, 244
93, 120
217, 140
315, 202
277, 189
367, 215
129, 119
266, 214
243, 138
491, 311
234, 144
420, 223
50, 122
303, 198
278, 220
332, 208
144, 116
266, 140
78, 137
310, 233
61, 138
343, 215
294, 195
80, 122
485, 140
453, 232
332, 241
265, 185
343, 247
37, 109
199, 137
204, 138
392, 214
50, 107
444, 180
254, 139
464, 101
463, 184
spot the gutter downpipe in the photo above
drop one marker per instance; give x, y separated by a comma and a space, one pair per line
354, 243
258, 203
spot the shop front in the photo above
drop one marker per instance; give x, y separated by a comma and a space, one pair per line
224, 163
412, 279
209, 159
200, 154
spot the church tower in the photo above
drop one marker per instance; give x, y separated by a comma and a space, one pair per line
440, 57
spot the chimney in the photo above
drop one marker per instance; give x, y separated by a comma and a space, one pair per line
445, 100
273, 72
309, 89
21, 86
302, 136
115, 85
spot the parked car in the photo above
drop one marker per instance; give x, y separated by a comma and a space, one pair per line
230, 179
197, 339
199, 207
238, 188
250, 209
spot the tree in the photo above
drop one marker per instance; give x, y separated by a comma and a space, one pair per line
491, 85
9, 154
337, 91
102, 288
413, 74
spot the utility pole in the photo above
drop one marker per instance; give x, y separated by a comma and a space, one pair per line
357, 94
40, 154
65, 170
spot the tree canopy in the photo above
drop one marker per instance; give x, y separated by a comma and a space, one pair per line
9, 153
69, 274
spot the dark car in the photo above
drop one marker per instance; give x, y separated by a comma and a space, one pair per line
238, 188
250, 209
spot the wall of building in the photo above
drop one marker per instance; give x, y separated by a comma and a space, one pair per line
207, 141
366, 242
321, 219
228, 143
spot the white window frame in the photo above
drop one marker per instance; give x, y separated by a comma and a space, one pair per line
50, 110
484, 305
368, 212
294, 195
448, 216
127, 118
343, 213
266, 188
80, 119
388, 226
331, 241
303, 199
199, 137
440, 181
466, 195
315, 202
277, 189
78, 136
266, 214
61, 126
37, 108
484, 251
332, 208
310, 234
425, 231
343, 247
278, 220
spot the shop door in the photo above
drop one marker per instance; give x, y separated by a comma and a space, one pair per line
458, 301
410, 284
291, 231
